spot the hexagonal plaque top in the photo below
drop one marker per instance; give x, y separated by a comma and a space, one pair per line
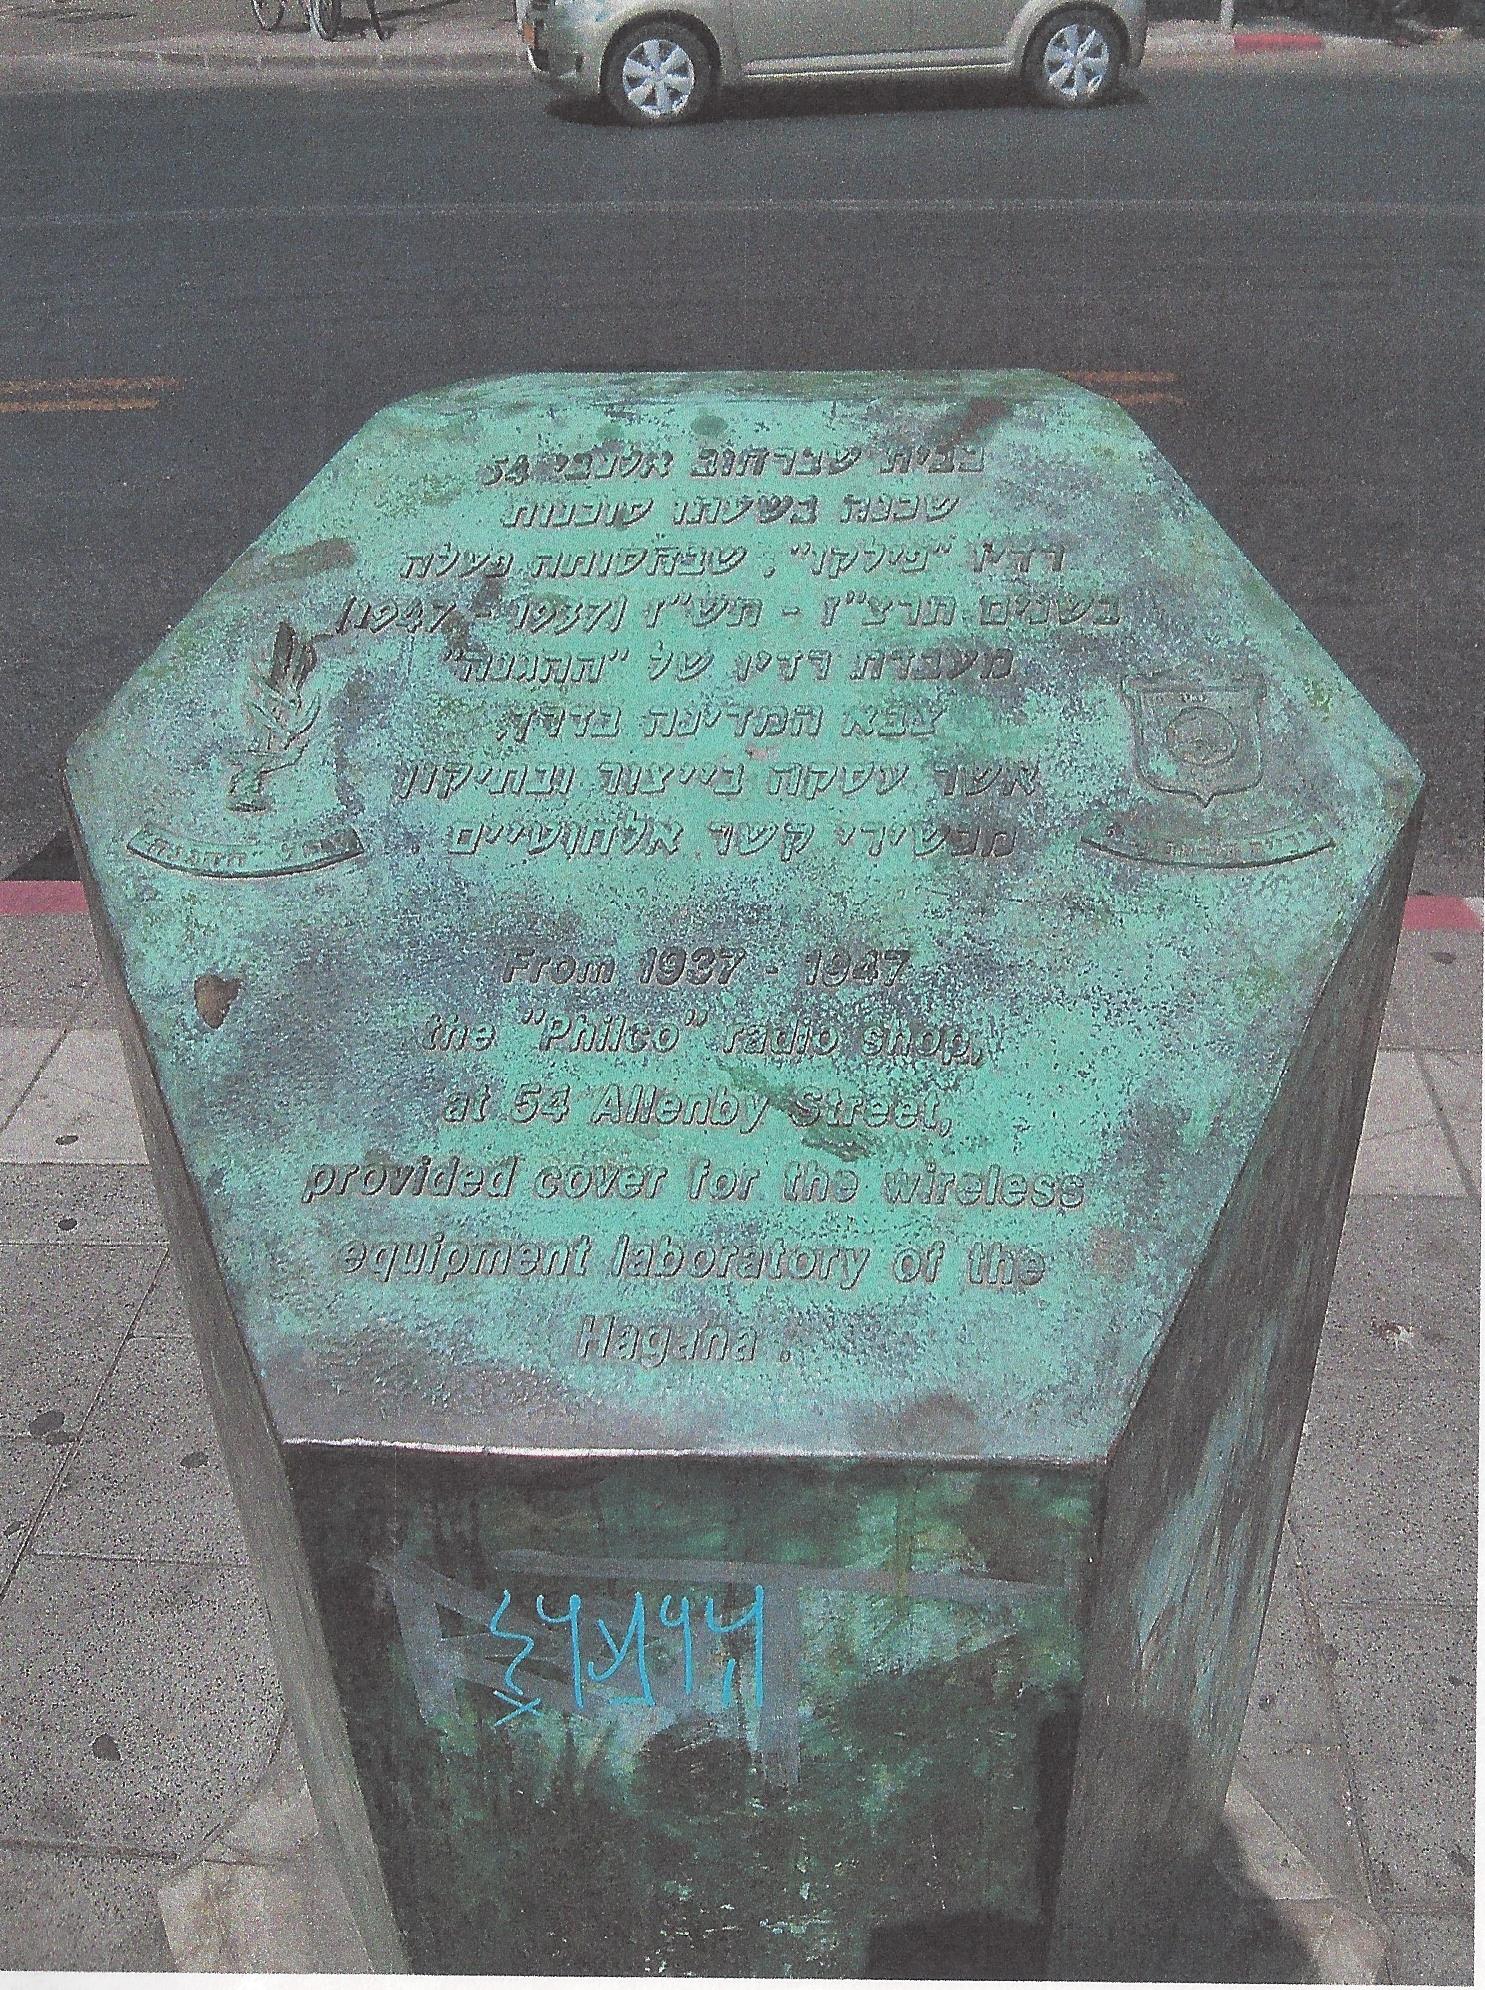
763, 913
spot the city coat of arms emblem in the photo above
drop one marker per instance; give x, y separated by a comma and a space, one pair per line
1198, 743
1201, 740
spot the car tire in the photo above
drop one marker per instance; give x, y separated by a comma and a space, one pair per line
658, 74
1074, 59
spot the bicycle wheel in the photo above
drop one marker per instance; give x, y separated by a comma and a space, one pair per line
268, 14
324, 18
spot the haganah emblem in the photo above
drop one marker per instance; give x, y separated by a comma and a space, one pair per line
1212, 799
281, 715
1197, 739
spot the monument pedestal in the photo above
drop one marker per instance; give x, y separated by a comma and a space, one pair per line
752, 998
262, 1898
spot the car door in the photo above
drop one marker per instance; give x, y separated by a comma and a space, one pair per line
794, 36
970, 30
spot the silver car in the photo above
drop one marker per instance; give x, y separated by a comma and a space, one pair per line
659, 65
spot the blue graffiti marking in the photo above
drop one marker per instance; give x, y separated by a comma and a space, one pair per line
681, 1621
510, 1690
570, 1618
634, 1640
753, 1616
603, 1666
686, 1656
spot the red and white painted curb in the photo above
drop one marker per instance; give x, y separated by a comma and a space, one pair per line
1272, 41
19, 896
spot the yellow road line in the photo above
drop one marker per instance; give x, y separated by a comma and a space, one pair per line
93, 384
119, 404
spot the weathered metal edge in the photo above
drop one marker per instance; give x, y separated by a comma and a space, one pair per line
1382, 916
1397, 858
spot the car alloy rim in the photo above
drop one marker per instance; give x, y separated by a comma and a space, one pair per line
1076, 63
658, 77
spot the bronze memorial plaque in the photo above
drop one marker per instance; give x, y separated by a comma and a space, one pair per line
753, 997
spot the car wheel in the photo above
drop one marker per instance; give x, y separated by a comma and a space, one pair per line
1074, 59
659, 73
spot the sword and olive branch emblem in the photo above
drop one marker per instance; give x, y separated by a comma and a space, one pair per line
280, 714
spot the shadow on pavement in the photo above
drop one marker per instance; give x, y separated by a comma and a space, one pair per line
769, 103
426, 11
1219, 1935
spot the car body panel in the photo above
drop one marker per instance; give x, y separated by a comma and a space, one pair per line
777, 39
763, 40
954, 32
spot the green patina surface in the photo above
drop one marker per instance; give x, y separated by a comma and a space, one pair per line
953, 669
881, 843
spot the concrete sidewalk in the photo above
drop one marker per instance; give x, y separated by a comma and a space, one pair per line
110, 44
138, 1693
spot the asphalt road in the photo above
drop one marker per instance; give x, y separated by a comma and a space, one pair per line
1284, 272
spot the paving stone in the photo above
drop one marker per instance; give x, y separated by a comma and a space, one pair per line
146, 1707
1434, 1001
23, 1052
1291, 1903
82, 1205
96, 1010
275, 1918
1404, 1149
1406, 1294
1305, 1789
64, 1312
1431, 1948
278, 1820
47, 965
164, 1310
1384, 1502
79, 1109
263, 1895
1405, 1682
147, 1477
1455, 1077
27, 1470
67, 1910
